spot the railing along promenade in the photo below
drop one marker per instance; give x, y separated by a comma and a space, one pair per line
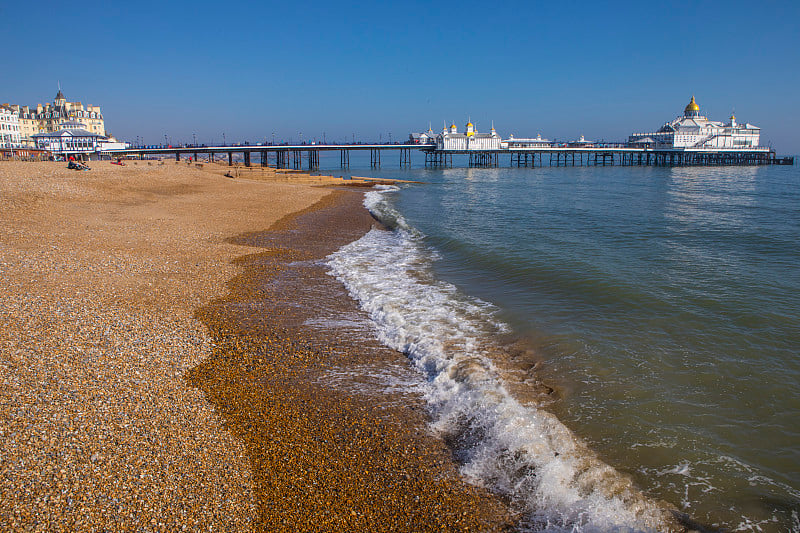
294, 156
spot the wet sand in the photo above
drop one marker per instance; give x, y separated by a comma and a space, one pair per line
139, 391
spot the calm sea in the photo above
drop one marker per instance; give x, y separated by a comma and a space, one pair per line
596, 340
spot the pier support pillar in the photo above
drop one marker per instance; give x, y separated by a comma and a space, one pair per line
405, 157
313, 160
230, 159
436, 159
246, 159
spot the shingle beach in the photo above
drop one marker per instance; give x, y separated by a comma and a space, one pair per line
158, 369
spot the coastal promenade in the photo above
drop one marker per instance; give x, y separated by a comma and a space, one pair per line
307, 156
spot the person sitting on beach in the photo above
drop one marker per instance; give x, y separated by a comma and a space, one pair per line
76, 165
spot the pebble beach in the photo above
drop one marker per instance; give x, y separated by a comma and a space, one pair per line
157, 371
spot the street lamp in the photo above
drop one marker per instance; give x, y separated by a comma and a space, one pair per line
195, 139
223, 138
273, 138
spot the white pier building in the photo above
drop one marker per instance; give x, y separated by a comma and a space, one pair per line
470, 140
521, 142
694, 131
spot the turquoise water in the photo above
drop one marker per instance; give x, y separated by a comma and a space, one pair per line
662, 305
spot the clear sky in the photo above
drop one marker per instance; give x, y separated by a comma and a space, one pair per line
372, 69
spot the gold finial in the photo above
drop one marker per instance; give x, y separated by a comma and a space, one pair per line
692, 107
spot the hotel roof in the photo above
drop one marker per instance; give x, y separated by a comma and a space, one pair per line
71, 132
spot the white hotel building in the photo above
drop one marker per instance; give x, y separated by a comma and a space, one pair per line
694, 131
9, 128
470, 140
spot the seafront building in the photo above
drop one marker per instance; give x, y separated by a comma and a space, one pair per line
9, 127
50, 118
693, 130
71, 139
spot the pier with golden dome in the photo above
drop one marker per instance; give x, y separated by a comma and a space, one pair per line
692, 130
689, 139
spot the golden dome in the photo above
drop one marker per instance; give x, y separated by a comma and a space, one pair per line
692, 107
469, 125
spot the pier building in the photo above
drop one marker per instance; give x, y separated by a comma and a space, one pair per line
9, 127
470, 140
425, 137
521, 142
693, 130
580, 142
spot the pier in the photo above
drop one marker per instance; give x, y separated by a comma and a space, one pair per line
307, 156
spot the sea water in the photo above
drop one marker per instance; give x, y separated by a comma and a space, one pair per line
599, 344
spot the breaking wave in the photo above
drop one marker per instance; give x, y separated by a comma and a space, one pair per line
523, 453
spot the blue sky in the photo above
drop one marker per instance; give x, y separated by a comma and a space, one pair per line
562, 69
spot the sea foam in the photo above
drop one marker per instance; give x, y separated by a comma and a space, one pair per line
523, 453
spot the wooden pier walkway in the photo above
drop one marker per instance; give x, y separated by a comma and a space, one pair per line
307, 156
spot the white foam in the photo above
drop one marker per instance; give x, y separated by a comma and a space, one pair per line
524, 453
683, 468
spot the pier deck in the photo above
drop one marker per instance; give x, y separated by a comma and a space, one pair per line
294, 156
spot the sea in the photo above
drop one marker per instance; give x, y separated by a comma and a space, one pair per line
598, 344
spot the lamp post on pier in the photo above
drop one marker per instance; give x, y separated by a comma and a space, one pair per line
194, 138
223, 138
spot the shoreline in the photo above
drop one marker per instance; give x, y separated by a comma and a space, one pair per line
104, 271
349, 457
